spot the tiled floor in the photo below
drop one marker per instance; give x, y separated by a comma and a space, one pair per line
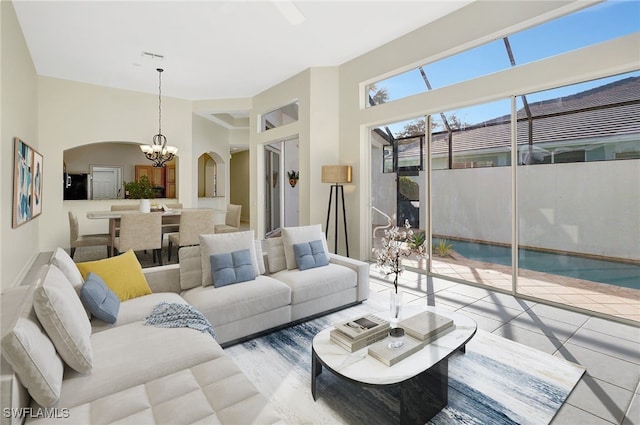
609, 391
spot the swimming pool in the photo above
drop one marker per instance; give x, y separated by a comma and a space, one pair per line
611, 272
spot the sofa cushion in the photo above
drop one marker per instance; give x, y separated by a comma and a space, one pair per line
62, 315
32, 355
136, 309
213, 392
222, 243
294, 235
64, 262
122, 274
99, 299
276, 259
190, 267
316, 283
130, 355
239, 301
310, 255
231, 267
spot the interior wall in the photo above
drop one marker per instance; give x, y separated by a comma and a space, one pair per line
316, 90
18, 118
213, 139
239, 183
74, 114
291, 194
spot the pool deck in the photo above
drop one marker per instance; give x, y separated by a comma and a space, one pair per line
615, 301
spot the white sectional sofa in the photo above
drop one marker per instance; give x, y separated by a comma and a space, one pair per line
144, 374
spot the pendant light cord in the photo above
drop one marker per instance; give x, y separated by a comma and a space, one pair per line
159, 100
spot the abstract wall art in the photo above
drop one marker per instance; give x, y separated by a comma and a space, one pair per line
27, 183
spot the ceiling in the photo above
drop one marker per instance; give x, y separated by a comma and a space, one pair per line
211, 49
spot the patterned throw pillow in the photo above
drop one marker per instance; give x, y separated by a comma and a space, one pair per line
310, 255
232, 267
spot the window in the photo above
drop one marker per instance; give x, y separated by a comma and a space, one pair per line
595, 24
279, 117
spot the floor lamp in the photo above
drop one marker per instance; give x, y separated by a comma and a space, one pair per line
336, 175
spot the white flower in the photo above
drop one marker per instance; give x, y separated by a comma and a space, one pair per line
396, 244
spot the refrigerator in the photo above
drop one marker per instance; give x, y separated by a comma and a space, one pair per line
77, 186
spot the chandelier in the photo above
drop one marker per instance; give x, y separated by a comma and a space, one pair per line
159, 153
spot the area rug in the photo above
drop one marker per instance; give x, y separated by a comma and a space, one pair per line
497, 381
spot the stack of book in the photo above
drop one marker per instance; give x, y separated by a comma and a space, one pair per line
358, 333
419, 330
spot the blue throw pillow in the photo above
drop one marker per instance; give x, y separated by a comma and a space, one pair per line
101, 301
231, 267
310, 255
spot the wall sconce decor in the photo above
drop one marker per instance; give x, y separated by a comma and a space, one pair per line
293, 177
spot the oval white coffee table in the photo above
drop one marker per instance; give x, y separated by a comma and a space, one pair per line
423, 377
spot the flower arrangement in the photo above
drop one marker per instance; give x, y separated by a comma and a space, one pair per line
397, 244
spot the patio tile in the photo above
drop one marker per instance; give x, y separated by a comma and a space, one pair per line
611, 345
529, 338
544, 325
571, 415
633, 413
560, 314
470, 291
493, 311
604, 400
619, 330
485, 323
453, 299
602, 367
509, 301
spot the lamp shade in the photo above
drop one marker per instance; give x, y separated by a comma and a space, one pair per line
336, 174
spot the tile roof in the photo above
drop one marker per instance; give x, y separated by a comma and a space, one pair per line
603, 112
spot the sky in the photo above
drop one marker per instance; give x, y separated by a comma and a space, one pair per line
602, 22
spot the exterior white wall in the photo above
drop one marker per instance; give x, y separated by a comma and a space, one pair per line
588, 208
18, 118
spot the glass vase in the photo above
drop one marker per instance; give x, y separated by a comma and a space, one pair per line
395, 307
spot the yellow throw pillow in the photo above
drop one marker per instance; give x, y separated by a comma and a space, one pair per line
122, 274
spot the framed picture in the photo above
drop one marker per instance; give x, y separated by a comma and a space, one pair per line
36, 199
27, 183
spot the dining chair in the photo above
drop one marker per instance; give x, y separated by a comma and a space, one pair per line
77, 240
193, 223
171, 224
141, 231
231, 220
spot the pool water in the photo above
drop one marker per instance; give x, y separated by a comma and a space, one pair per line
611, 272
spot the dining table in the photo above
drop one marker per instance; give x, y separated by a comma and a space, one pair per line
168, 218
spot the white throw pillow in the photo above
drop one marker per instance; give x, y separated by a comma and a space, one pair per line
275, 254
32, 355
259, 256
62, 315
220, 243
294, 235
65, 263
